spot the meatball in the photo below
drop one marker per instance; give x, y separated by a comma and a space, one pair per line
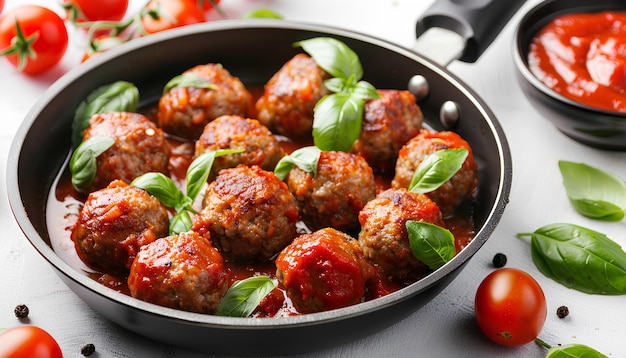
343, 183
286, 106
388, 123
461, 187
249, 213
384, 238
184, 111
182, 271
140, 147
259, 144
323, 270
114, 223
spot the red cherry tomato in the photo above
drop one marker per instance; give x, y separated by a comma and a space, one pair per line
163, 15
1, 5
40, 42
28, 341
90, 10
510, 307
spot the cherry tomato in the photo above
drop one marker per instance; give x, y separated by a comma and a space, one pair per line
510, 307
1, 5
89, 10
163, 15
28, 341
33, 38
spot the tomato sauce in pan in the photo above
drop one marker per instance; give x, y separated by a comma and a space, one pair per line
582, 56
64, 205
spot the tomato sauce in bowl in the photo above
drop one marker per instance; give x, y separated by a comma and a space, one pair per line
582, 56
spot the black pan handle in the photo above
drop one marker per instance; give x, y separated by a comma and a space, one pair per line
477, 21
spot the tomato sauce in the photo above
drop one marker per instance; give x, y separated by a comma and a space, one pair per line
582, 56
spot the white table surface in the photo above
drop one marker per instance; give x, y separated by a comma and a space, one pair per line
443, 328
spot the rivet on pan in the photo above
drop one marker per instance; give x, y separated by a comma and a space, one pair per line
449, 114
418, 86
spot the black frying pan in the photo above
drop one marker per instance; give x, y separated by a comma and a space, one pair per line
588, 125
253, 51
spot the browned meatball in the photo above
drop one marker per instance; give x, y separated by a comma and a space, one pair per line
115, 223
388, 123
259, 144
140, 147
286, 106
181, 271
384, 238
343, 183
249, 213
184, 111
461, 187
322, 271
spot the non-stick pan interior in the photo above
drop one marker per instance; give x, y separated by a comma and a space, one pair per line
253, 51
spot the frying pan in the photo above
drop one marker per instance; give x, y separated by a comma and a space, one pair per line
591, 126
252, 50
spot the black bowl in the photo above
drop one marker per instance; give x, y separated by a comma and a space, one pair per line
252, 50
591, 126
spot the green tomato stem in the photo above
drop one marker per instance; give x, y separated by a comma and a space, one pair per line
542, 343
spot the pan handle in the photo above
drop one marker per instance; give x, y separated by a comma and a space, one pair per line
477, 21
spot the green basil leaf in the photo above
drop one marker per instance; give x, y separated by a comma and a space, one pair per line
364, 90
181, 222
161, 187
431, 244
436, 169
593, 192
337, 121
579, 258
199, 170
261, 14
188, 80
305, 158
243, 297
574, 351
333, 56
83, 163
118, 96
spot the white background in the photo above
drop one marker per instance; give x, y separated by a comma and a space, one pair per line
443, 328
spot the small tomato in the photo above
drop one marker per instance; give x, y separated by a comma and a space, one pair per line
28, 341
89, 10
510, 307
161, 15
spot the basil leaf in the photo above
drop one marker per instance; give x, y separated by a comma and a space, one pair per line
305, 158
181, 222
261, 14
161, 187
364, 90
199, 170
431, 244
243, 297
337, 122
436, 169
188, 80
83, 163
579, 258
593, 192
333, 56
118, 96
573, 351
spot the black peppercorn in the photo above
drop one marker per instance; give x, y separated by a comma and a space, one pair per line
21, 311
499, 260
88, 349
562, 311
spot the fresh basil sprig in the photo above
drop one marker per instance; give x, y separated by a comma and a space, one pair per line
243, 297
579, 258
188, 80
164, 188
120, 96
594, 193
305, 158
431, 244
436, 169
569, 350
83, 163
338, 116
